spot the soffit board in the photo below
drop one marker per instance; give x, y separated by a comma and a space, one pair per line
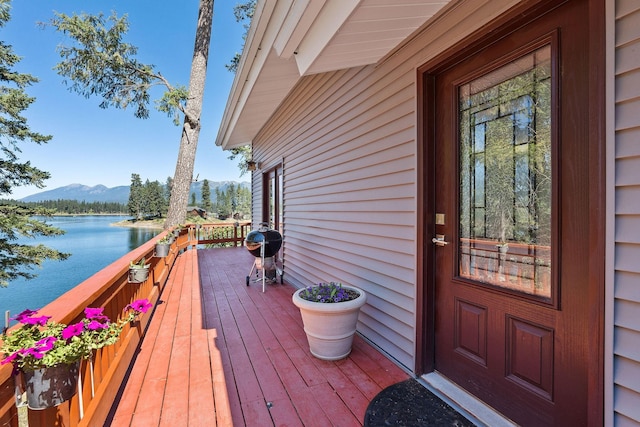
288, 40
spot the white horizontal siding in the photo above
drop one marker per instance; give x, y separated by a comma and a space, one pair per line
348, 142
627, 286
626, 407
626, 345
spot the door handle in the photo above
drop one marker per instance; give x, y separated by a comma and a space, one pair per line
439, 240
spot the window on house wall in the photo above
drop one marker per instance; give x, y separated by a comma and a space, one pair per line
272, 212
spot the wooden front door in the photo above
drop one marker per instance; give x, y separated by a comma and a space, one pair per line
510, 221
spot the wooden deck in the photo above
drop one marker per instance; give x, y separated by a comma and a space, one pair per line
220, 353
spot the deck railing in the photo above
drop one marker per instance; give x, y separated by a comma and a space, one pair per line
102, 378
220, 234
516, 266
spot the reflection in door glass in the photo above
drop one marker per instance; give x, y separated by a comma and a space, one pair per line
505, 176
272, 190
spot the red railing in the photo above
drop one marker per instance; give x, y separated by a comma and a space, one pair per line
220, 234
109, 288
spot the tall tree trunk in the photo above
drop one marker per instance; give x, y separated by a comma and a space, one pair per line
191, 128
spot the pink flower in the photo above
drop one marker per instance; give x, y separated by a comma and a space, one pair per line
24, 315
10, 358
95, 325
41, 321
92, 312
26, 318
36, 353
72, 330
45, 344
95, 313
141, 306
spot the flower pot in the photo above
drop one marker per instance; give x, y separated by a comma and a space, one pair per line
162, 249
138, 275
47, 387
330, 326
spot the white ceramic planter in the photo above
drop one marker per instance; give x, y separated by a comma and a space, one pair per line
330, 326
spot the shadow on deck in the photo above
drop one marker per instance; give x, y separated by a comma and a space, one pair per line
218, 352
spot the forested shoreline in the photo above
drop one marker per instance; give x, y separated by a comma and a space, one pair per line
150, 200
75, 207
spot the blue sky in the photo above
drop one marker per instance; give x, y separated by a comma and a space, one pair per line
94, 146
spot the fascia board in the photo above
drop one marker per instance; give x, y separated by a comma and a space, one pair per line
300, 18
242, 82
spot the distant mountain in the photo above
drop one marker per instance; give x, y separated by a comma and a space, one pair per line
98, 193
120, 194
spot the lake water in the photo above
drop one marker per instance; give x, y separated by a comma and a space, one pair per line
93, 243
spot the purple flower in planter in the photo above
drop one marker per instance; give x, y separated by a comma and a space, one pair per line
12, 357
328, 293
95, 314
37, 351
141, 306
45, 344
37, 337
91, 312
40, 321
34, 352
94, 325
24, 315
72, 330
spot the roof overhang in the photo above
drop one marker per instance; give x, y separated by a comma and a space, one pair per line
289, 39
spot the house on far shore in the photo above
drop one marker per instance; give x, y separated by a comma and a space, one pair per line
196, 211
474, 166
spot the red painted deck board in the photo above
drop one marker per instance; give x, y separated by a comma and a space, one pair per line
220, 353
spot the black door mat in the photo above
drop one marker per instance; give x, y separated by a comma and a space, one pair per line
410, 404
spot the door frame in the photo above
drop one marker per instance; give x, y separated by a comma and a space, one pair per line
276, 173
425, 86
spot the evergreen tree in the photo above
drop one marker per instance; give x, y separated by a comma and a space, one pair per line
244, 200
156, 203
64, 206
193, 199
219, 201
17, 220
146, 198
233, 199
136, 197
102, 64
243, 13
206, 196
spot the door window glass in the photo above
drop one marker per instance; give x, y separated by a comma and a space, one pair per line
505, 176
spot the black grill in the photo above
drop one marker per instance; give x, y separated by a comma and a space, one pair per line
272, 242
264, 244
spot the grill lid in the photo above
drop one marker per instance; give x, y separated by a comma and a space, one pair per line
272, 242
